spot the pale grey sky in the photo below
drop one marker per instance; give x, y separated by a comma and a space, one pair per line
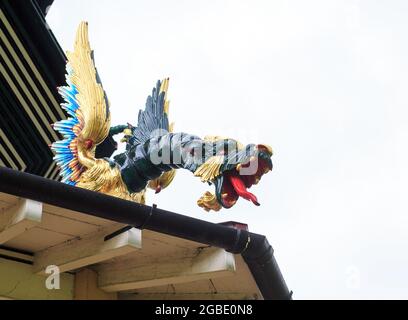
323, 82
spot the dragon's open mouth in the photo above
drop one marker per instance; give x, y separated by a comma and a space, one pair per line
234, 184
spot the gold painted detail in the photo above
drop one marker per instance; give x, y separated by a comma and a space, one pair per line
209, 138
208, 201
265, 147
163, 88
93, 109
163, 181
94, 124
209, 169
106, 179
127, 133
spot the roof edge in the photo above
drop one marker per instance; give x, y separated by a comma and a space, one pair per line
255, 249
44, 5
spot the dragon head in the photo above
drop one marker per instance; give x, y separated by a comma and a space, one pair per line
233, 169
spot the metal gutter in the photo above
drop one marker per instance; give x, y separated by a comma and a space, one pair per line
254, 248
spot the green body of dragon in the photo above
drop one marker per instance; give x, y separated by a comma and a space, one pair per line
153, 151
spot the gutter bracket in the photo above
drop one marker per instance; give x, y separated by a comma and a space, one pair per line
117, 232
126, 228
241, 242
144, 223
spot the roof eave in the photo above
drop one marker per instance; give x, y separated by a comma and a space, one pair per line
255, 249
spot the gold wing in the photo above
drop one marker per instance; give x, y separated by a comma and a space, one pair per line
93, 111
88, 108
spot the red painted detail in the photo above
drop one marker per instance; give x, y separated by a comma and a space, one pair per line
88, 143
241, 190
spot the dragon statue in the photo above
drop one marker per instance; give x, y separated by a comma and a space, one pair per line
153, 151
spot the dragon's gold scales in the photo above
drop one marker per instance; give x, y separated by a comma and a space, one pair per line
153, 151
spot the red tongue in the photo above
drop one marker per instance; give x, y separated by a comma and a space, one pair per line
241, 190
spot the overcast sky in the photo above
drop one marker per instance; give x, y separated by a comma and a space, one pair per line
323, 82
